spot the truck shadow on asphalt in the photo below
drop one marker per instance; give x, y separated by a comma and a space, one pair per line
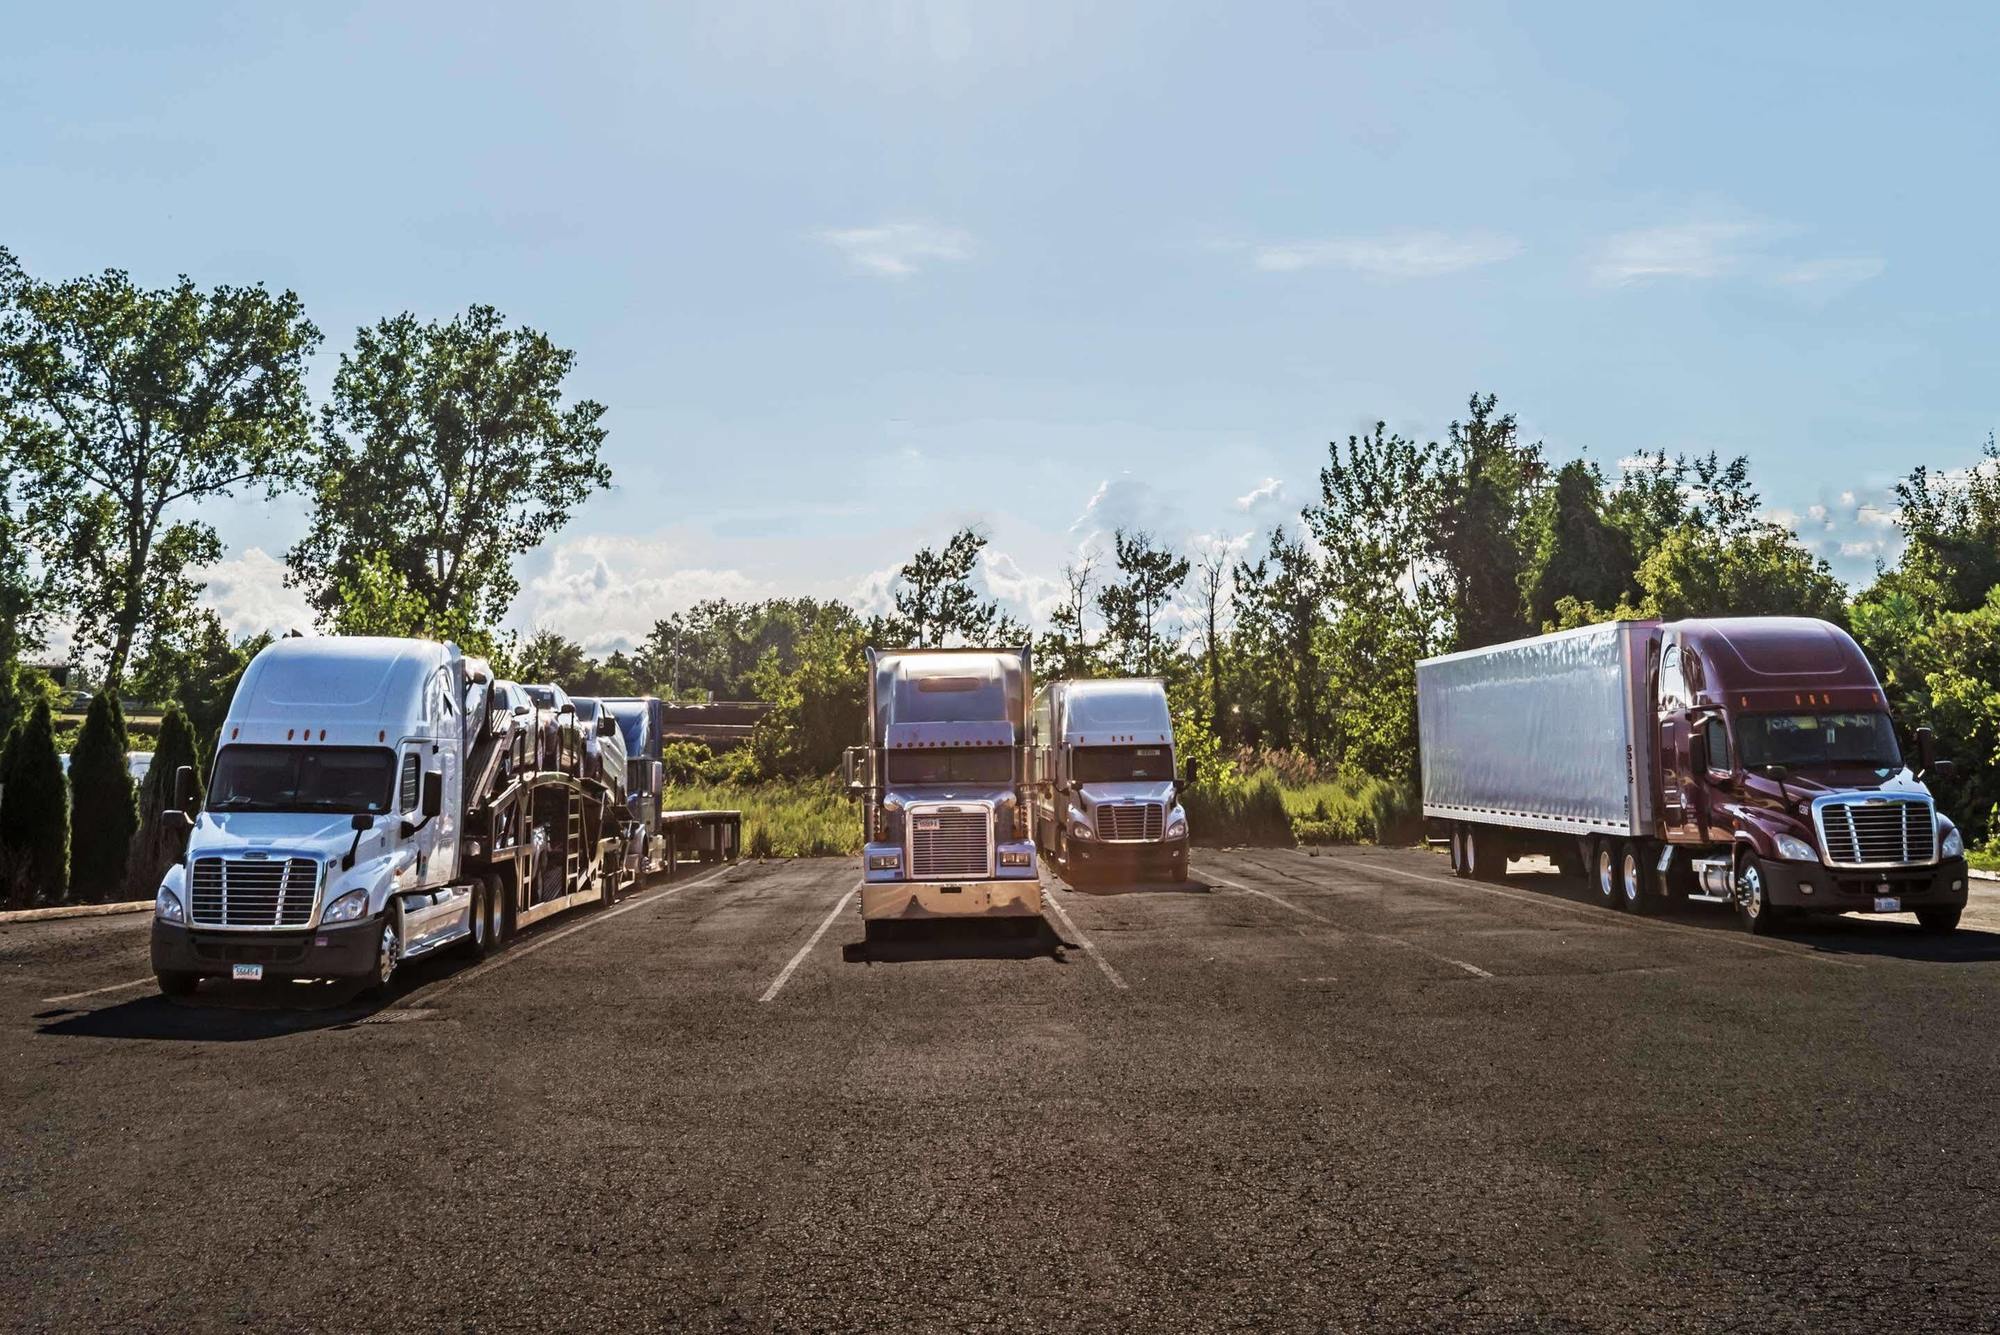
1107, 886
226, 1012
1832, 934
945, 939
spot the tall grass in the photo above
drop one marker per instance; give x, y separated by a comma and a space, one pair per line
1310, 808
782, 818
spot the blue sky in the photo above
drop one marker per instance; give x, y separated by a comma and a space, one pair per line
849, 275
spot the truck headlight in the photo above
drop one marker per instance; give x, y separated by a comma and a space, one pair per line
1953, 845
352, 905
1015, 857
1795, 850
167, 906
884, 861
1081, 830
1177, 828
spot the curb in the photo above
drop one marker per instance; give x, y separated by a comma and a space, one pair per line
1979, 875
75, 911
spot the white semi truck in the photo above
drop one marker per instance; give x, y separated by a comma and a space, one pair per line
944, 787
362, 812
1107, 790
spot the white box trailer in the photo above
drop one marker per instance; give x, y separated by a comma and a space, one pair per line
1551, 733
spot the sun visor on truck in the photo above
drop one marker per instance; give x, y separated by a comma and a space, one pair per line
1120, 739
910, 736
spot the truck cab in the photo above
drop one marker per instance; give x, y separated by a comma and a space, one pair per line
329, 842
1781, 774
1108, 791
943, 786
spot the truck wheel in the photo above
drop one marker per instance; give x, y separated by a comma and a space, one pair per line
1604, 860
1940, 919
177, 983
1636, 894
1179, 867
1753, 902
481, 921
388, 952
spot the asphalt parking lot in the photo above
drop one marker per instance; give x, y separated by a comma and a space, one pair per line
1336, 1091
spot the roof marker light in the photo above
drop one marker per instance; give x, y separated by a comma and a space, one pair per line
289, 732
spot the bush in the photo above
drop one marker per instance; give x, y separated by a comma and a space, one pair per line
160, 845
34, 813
104, 808
1249, 812
783, 818
1322, 807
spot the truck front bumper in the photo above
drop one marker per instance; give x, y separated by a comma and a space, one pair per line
346, 951
951, 899
1156, 853
1808, 885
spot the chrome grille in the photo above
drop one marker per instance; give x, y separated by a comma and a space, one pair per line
1877, 832
950, 842
254, 892
1130, 821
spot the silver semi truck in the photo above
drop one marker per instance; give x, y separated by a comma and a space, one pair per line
943, 787
1107, 790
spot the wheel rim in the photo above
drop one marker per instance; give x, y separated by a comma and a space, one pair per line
1471, 854
385, 957
482, 925
1750, 889
1606, 875
1633, 888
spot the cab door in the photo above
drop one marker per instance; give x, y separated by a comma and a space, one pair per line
1679, 809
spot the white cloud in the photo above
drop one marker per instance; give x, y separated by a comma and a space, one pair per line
606, 592
1393, 255
248, 592
1129, 503
1268, 493
1843, 272
898, 250
1679, 250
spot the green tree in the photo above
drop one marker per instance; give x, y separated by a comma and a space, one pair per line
197, 668
104, 809
1480, 537
1952, 525
1280, 602
127, 407
34, 812
1148, 577
160, 843
1578, 553
1066, 650
935, 603
820, 706
548, 656
445, 453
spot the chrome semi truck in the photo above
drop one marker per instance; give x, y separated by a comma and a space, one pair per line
1748, 761
943, 787
1107, 791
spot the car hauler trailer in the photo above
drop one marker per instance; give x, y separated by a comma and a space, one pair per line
663, 838
943, 787
1747, 761
1106, 789
363, 811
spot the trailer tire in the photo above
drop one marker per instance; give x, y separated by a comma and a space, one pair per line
180, 983
1458, 867
1604, 867
506, 893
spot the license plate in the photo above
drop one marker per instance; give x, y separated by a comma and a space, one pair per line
1888, 904
927, 823
247, 973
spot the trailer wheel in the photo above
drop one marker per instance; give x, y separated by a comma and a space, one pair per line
1604, 858
1458, 867
179, 983
504, 887
1636, 895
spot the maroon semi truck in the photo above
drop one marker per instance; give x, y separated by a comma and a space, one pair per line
1746, 760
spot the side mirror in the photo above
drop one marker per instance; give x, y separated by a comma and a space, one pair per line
566, 708
433, 793
607, 726
360, 822
850, 763
184, 789
520, 710
1940, 769
1697, 752
1192, 770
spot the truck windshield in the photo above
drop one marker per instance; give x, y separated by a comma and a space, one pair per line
1803, 740
1112, 764
302, 778
990, 765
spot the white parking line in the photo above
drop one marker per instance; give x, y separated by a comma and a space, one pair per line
147, 981
785, 973
1592, 911
1089, 949
1472, 969
518, 953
